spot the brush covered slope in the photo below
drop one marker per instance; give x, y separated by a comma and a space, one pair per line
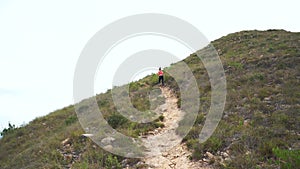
259, 129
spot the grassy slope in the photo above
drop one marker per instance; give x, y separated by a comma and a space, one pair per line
262, 107
260, 122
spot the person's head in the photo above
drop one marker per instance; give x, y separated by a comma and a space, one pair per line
159, 68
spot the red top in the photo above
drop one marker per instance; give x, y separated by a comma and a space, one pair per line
160, 73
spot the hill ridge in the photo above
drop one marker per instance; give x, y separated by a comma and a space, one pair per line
259, 129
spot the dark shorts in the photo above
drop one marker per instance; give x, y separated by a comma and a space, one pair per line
161, 79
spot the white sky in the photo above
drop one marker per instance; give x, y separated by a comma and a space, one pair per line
40, 41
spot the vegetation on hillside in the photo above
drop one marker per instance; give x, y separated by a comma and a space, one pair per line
259, 129
262, 108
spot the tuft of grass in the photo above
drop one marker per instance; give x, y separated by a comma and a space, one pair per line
70, 120
287, 158
116, 120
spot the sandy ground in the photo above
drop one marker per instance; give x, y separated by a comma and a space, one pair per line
165, 149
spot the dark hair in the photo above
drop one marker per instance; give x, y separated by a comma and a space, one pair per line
159, 68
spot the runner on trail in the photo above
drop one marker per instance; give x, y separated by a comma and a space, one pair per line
160, 77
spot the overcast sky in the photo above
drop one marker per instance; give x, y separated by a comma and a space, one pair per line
40, 41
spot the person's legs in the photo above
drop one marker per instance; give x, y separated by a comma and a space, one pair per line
161, 79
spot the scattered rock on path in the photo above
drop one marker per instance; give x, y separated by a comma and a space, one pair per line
108, 140
66, 141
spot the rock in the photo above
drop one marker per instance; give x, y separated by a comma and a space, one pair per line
224, 154
151, 132
131, 117
244, 99
76, 156
66, 141
140, 163
130, 155
163, 108
68, 157
172, 165
159, 129
107, 140
225, 116
108, 147
210, 155
165, 154
246, 122
205, 160
176, 156
87, 135
227, 159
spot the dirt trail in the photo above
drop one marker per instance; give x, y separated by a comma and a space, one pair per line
165, 150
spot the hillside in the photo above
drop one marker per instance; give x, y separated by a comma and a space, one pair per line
259, 128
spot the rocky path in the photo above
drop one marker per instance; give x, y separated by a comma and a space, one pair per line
165, 149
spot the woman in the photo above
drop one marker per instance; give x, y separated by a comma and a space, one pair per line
160, 76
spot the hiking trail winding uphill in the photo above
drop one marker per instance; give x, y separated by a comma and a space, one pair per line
165, 148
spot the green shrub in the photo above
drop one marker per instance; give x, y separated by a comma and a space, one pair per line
11, 128
200, 119
267, 144
112, 162
133, 86
236, 65
287, 158
161, 118
213, 144
257, 76
70, 120
159, 124
116, 120
153, 80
